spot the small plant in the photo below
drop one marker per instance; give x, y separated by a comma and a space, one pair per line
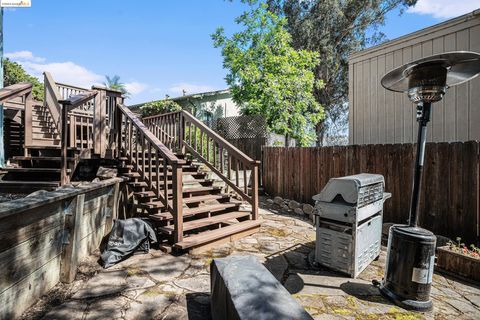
159, 107
460, 247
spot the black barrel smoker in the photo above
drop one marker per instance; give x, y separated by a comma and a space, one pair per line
411, 249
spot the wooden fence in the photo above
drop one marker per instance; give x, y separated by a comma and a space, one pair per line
43, 238
450, 204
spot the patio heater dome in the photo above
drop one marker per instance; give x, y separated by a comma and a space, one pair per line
426, 79
411, 249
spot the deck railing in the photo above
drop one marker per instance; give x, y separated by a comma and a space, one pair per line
148, 154
91, 125
21, 93
68, 105
181, 130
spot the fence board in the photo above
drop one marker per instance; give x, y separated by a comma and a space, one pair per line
450, 203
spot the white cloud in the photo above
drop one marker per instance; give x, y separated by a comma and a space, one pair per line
444, 8
135, 87
67, 72
189, 88
23, 55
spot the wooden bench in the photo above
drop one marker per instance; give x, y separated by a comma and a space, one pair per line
242, 288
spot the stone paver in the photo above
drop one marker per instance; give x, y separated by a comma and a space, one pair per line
162, 286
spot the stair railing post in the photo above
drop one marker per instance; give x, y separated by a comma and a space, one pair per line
181, 133
99, 122
64, 142
118, 130
28, 121
254, 190
177, 202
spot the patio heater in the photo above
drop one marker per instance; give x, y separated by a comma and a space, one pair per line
411, 249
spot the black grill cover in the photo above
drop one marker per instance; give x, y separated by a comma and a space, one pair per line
127, 237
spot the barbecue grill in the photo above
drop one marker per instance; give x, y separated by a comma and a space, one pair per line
411, 249
349, 222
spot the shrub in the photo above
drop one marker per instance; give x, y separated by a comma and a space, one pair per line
159, 107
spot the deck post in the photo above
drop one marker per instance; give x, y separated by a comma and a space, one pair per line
99, 123
64, 143
177, 203
118, 131
28, 121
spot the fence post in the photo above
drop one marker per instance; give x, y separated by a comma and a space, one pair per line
254, 190
68, 264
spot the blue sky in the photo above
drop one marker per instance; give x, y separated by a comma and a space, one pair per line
156, 47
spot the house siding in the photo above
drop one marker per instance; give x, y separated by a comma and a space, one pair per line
378, 116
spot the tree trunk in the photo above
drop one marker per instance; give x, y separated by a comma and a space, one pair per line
320, 129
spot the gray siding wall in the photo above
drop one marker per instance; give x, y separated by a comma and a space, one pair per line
378, 116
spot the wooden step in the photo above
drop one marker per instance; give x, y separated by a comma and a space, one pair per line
142, 184
194, 211
151, 194
217, 234
138, 175
186, 200
201, 223
209, 197
43, 170
40, 158
27, 186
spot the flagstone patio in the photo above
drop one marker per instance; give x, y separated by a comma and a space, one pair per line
163, 286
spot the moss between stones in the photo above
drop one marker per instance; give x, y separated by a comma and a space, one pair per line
277, 232
133, 271
157, 291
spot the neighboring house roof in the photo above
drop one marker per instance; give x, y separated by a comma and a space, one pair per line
201, 95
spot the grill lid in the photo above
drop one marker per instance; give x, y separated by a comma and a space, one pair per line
353, 189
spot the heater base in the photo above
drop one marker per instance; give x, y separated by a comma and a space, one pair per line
407, 304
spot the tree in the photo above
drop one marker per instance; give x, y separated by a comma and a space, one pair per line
115, 84
14, 73
335, 29
268, 77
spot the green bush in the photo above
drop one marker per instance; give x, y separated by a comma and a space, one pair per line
159, 107
13, 73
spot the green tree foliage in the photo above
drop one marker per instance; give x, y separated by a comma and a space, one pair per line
335, 29
115, 84
14, 73
159, 107
268, 77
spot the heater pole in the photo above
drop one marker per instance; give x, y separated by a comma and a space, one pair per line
422, 120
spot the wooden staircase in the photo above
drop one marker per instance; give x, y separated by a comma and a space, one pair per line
43, 130
170, 186
181, 174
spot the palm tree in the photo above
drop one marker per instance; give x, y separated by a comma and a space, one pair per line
115, 84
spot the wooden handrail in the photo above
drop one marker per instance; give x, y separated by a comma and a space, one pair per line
219, 139
77, 100
169, 155
52, 96
187, 132
14, 91
150, 157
